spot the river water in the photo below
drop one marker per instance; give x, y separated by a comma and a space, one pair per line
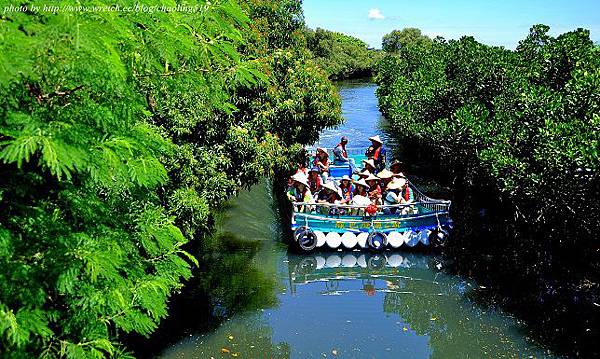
347, 304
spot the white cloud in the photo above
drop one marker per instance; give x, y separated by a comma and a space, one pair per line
376, 14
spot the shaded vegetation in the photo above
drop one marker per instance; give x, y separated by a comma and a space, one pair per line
516, 133
120, 134
341, 56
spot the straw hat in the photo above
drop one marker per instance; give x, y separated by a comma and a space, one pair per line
361, 182
300, 178
399, 175
371, 178
385, 174
369, 162
364, 173
396, 183
376, 139
330, 186
345, 178
322, 149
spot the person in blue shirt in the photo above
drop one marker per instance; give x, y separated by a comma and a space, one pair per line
340, 155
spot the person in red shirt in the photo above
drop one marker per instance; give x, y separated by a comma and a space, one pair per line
314, 180
322, 162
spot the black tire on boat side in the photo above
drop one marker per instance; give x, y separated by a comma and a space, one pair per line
305, 238
438, 237
374, 238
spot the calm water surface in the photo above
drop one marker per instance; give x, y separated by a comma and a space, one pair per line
353, 304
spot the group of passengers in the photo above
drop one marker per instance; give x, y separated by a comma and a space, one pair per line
375, 184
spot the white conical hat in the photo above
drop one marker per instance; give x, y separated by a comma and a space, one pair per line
330, 186
361, 182
371, 177
300, 178
376, 139
385, 174
396, 183
370, 162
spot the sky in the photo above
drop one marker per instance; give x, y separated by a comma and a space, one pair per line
492, 22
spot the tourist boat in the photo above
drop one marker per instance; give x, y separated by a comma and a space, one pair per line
424, 222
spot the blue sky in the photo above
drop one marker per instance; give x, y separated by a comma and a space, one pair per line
501, 23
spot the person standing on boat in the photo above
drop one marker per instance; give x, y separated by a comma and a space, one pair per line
322, 162
347, 189
340, 155
377, 152
314, 180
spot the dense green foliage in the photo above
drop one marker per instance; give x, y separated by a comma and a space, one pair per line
340, 55
120, 132
407, 37
526, 125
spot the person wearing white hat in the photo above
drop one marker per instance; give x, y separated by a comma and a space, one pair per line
386, 177
347, 189
361, 196
369, 166
299, 191
375, 192
399, 192
322, 162
377, 152
329, 194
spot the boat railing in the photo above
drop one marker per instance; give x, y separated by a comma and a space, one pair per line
428, 202
309, 207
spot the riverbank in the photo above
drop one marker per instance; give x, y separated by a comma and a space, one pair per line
513, 143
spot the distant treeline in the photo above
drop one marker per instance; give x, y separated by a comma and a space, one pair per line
341, 56
121, 134
520, 129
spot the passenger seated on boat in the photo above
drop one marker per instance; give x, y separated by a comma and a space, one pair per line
347, 189
340, 155
314, 180
377, 152
364, 173
392, 196
361, 197
396, 167
374, 189
322, 162
369, 165
329, 194
299, 192
386, 177
399, 192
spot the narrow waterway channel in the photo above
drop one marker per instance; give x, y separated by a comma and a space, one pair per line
350, 304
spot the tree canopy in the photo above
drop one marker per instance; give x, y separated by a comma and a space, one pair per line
120, 134
407, 37
340, 55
